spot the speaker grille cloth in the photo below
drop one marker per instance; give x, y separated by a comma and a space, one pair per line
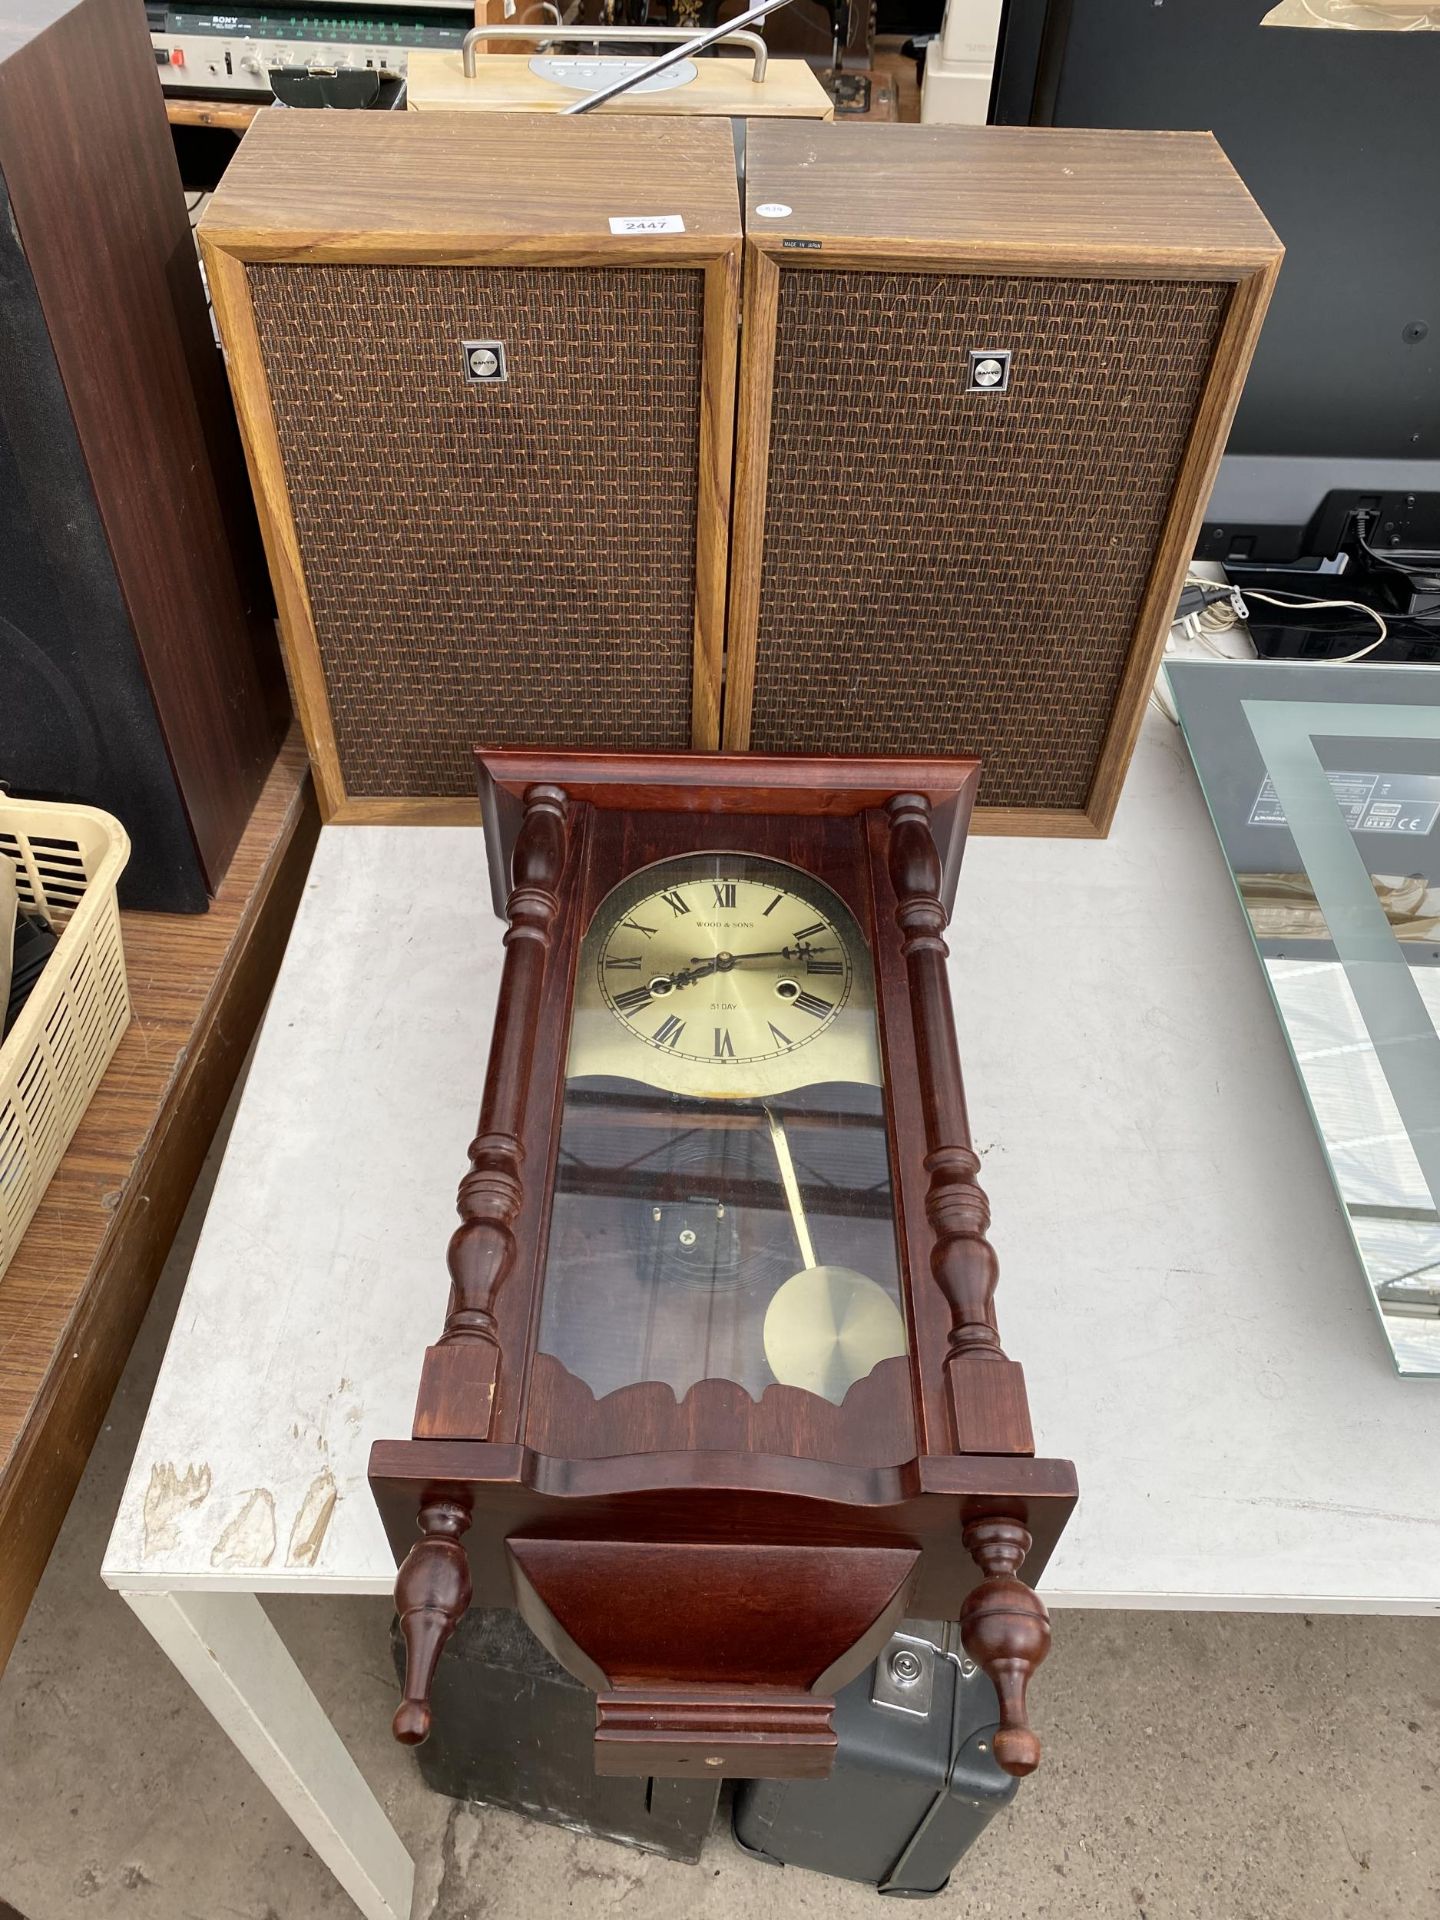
956, 572
511, 563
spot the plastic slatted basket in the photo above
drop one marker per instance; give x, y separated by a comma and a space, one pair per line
67, 861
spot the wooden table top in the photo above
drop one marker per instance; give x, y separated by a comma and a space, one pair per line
1175, 1275
72, 1299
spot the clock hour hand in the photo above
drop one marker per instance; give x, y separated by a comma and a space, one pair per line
792, 1189
700, 968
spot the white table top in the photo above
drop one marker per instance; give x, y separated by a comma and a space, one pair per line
1175, 1274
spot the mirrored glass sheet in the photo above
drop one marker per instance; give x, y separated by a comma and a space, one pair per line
1324, 786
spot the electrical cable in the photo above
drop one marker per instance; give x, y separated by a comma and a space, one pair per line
1302, 601
1422, 582
1217, 613
1224, 606
1230, 606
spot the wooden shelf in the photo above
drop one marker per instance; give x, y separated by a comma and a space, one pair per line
233, 115
73, 1298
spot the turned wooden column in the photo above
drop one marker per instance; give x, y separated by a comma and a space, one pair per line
432, 1592
985, 1390
457, 1386
1005, 1629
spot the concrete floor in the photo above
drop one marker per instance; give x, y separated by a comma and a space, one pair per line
1204, 1767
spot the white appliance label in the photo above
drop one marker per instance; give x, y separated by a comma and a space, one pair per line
646, 223
774, 209
1369, 802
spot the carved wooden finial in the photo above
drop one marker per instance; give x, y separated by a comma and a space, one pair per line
1005, 1629
457, 1394
986, 1390
432, 1591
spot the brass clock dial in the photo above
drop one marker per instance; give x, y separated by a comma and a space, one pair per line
732, 968
724, 975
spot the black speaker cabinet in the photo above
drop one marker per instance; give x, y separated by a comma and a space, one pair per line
485, 370
986, 378
513, 1729
138, 665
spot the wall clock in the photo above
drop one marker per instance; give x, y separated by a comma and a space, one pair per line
720, 1396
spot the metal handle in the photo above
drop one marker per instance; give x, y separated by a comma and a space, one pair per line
675, 55
540, 30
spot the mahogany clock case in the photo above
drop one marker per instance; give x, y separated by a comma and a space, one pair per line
489, 420
986, 379
715, 1562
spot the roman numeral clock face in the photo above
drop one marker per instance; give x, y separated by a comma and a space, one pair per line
756, 968
728, 975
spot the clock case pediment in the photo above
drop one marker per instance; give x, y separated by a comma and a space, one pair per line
716, 1565
721, 787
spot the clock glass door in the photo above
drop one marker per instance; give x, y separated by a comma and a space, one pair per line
723, 1209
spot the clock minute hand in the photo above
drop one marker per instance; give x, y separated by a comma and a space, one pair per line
724, 961
702, 965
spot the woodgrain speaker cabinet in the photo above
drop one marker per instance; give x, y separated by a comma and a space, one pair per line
485, 368
986, 379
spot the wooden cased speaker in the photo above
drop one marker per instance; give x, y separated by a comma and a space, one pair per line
485, 370
986, 379
138, 664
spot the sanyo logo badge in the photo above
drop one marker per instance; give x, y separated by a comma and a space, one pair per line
989, 369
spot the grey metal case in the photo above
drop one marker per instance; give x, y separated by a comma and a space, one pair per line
915, 1781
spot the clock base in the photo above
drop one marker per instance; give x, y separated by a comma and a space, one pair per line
712, 1734
692, 1583
712, 1656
